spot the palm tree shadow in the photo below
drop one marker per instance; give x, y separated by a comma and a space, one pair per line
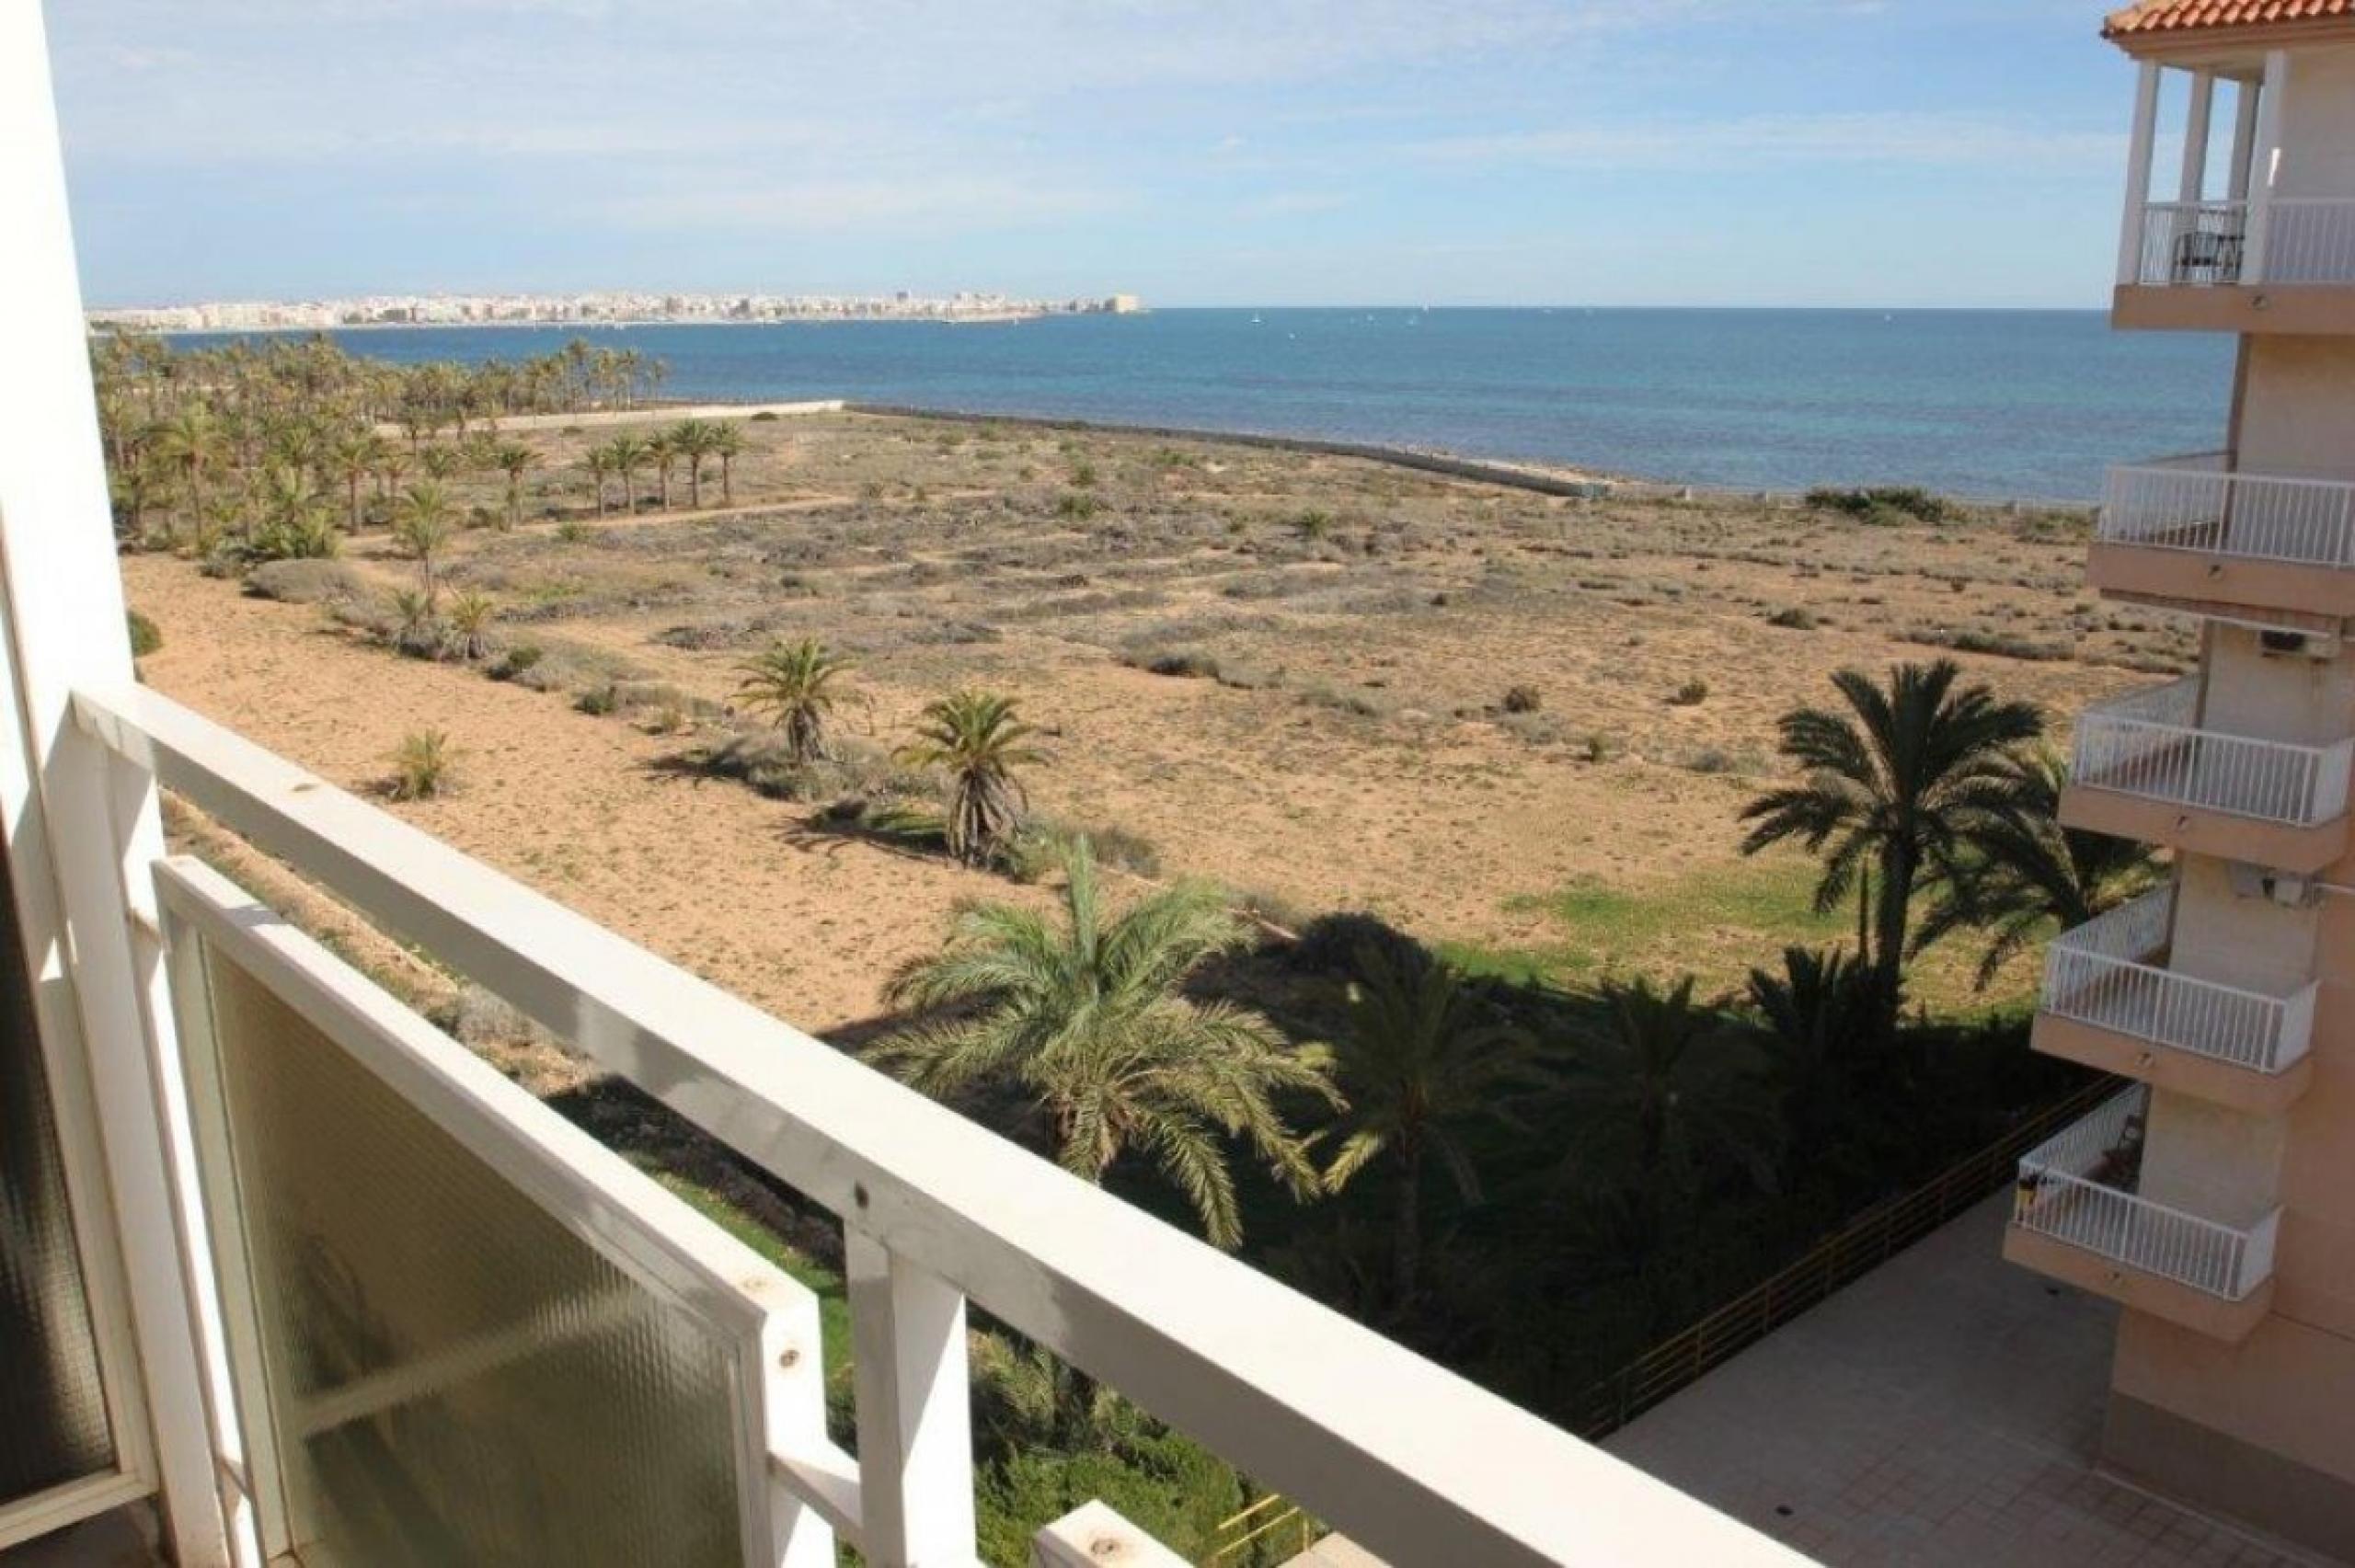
831, 829
681, 767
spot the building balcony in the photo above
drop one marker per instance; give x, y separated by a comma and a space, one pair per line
2077, 1216
2208, 244
2110, 1001
2198, 532
2146, 769
2272, 251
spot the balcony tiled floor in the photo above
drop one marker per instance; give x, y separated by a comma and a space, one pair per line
1944, 1409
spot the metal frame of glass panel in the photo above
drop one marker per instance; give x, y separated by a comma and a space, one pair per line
769, 1321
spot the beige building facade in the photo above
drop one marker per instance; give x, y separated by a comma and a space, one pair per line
2215, 1199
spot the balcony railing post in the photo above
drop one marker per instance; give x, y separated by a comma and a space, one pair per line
2138, 172
2193, 182
2264, 165
2244, 140
2256, 1260
915, 1440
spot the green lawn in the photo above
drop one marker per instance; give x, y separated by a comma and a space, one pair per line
1716, 925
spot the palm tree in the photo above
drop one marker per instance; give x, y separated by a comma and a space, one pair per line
442, 461
792, 682
1820, 1007
293, 523
977, 739
296, 443
470, 614
422, 525
1418, 1057
1664, 1089
628, 453
664, 450
726, 444
357, 455
1084, 1017
1825, 1019
2025, 874
1894, 782
135, 485
191, 442
515, 459
392, 467
691, 438
599, 461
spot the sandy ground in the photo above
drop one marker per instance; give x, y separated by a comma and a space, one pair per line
1355, 755
704, 873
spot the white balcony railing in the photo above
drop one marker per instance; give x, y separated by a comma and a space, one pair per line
2306, 240
2198, 504
2309, 240
1408, 1458
2192, 242
2101, 974
2079, 1189
2149, 745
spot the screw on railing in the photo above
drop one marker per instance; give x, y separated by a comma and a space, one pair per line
1094, 1536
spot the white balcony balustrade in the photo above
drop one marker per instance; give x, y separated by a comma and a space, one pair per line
2192, 242
1406, 1458
2197, 503
2278, 221
2308, 240
2295, 241
2080, 1189
2103, 973
2149, 745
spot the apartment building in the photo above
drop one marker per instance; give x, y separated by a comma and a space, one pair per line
2214, 1198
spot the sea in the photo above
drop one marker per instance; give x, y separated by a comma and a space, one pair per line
1998, 405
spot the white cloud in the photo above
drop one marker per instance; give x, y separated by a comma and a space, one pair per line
929, 203
1894, 137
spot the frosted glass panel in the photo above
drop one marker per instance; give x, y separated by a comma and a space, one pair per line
454, 1377
52, 1409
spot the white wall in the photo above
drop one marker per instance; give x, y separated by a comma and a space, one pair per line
2207, 1161
2250, 942
2318, 125
2277, 696
2298, 417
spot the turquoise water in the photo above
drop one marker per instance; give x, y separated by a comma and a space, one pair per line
2030, 403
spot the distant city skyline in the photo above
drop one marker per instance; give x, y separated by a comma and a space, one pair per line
591, 307
1861, 153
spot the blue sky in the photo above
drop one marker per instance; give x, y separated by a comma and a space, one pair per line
1198, 152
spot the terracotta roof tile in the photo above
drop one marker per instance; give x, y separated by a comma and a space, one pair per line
2152, 16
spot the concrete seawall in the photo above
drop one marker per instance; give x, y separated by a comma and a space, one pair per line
1400, 457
